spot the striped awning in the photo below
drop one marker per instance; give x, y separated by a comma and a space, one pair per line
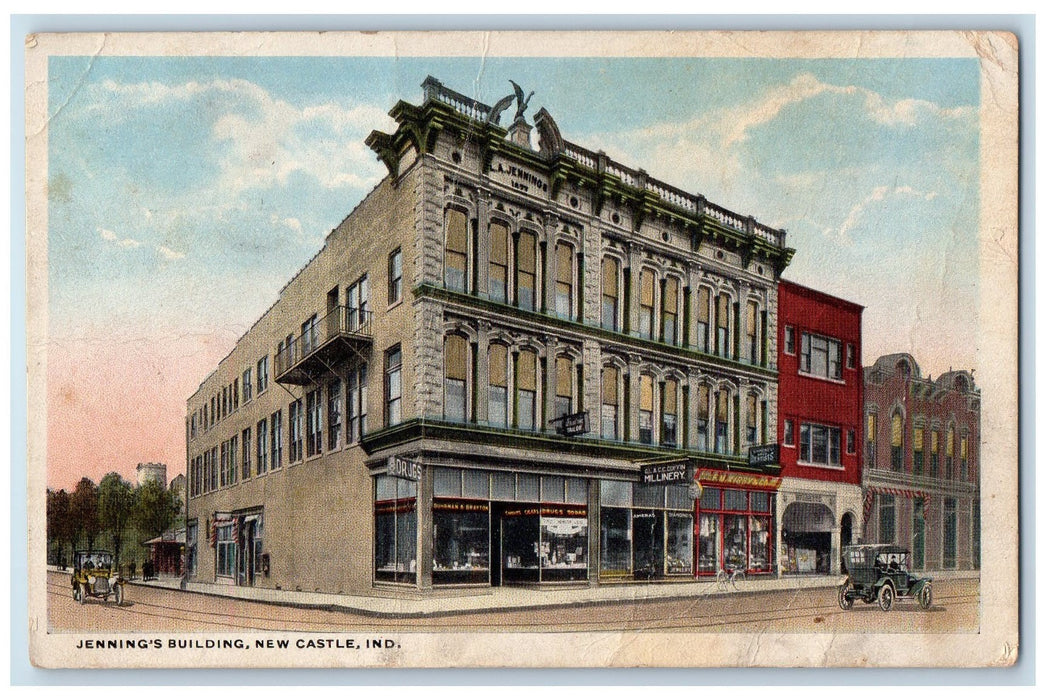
871, 491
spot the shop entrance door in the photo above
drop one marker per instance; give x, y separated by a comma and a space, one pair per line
246, 558
648, 539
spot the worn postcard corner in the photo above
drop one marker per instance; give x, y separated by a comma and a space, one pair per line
650, 349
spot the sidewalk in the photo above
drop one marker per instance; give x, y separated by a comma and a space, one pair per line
408, 603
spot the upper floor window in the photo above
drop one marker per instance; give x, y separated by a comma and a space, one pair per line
526, 270
851, 356
334, 414
564, 386
751, 419
609, 412
295, 424
455, 358
247, 385
276, 439
935, 454
393, 386
646, 304
356, 403
247, 446
646, 409
564, 280
869, 439
611, 272
949, 453
497, 390
314, 422
263, 374
722, 422
455, 260
918, 437
497, 274
670, 311
789, 340
819, 444
896, 441
395, 276
821, 356
526, 390
752, 331
703, 397
310, 335
851, 441
669, 408
357, 303
722, 338
963, 457
789, 433
704, 302
261, 461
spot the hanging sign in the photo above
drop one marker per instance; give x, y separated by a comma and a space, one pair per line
572, 424
762, 455
404, 468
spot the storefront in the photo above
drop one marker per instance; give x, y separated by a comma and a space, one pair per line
645, 531
735, 522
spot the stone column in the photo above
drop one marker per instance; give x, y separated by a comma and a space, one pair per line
549, 273
424, 544
836, 550
634, 264
778, 529
695, 397
633, 400
742, 416
549, 383
482, 373
744, 351
483, 243
591, 286
592, 365
693, 280
593, 532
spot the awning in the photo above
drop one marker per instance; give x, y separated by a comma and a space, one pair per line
870, 493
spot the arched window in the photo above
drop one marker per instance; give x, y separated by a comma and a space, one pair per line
608, 416
896, 441
526, 270
722, 322
670, 311
870, 441
611, 272
526, 389
646, 304
704, 304
455, 261
455, 360
669, 412
564, 386
752, 332
564, 280
964, 456
751, 419
935, 454
722, 421
949, 452
703, 397
497, 389
497, 275
646, 409
918, 440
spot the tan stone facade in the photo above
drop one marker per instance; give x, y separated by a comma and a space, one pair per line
537, 282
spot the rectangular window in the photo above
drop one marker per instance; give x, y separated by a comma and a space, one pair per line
455, 262
610, 293
851, 441
751, 420
819, 445
869, 438
276, 439
233, 458
357, 404
263, 374
935, 455
564, 386
295, 423
262, 454
526, 270
393, 386
395, 276
497, 390
646, 304
703, 397
235, 393
564, 280
247, 385
670, 311
314, 422
722, 422
646, 409
821, 356
455, 359
497, 276
608, 418
851, 356
789, 432
964, 462
246, 447
917, 450
395, 529
310, 335
704, 301
669, 403
723, 326
887, 521
334, 414
789, 340
357, 304
526, 390
225, 546
752, 331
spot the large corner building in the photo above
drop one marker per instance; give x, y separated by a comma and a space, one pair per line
517, 361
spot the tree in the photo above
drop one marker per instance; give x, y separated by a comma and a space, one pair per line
155, 508
61, 528
115, 504
84, 507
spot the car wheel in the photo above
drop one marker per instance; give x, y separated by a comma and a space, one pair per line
845, 601
118, 593
926, 597
886, 598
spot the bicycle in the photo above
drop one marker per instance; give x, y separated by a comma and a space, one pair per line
730, 576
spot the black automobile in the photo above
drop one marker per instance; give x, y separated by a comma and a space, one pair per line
879, 573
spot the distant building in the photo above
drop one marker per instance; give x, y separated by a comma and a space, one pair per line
177, 486
922, 462
153, 471
819, 420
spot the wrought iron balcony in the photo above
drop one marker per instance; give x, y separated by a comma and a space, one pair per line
343, 334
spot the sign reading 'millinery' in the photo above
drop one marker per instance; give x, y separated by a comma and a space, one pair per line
404, 468
670, 473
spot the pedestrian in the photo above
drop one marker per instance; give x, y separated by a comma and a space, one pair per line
133, 567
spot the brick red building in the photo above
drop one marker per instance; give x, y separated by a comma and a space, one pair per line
819, 418
922, 457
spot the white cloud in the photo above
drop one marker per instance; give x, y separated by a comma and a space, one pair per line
169, 254
113, 237
878, 194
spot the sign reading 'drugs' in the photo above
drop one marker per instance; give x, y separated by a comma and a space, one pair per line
516, 177
404, 468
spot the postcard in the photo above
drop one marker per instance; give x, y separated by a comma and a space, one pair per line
487, 349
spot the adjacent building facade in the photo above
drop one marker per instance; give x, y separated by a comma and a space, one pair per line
922, 459
516, 362
820, 386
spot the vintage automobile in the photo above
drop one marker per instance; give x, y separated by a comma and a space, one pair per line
880, 573
95, 576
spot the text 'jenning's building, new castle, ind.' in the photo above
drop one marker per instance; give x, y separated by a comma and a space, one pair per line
515, 362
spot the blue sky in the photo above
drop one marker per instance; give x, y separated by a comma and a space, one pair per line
184, 192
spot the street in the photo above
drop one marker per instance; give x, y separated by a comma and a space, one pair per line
148, 609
